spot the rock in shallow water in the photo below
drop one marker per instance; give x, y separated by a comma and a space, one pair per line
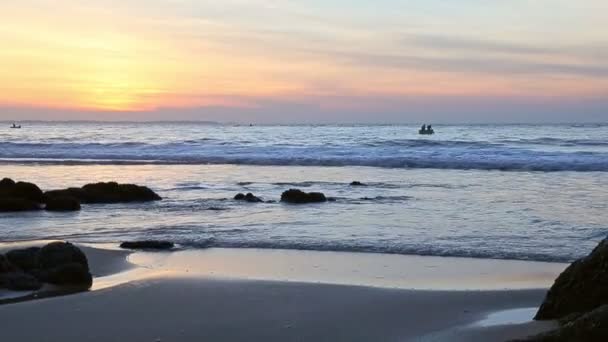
18, 204
249, 197
22, 190
110, 192
297, 196
582, 287
147, 244
62, 204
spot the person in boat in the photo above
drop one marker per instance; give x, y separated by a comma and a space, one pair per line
423, 129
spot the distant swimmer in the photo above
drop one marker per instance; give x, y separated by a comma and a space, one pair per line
426, 130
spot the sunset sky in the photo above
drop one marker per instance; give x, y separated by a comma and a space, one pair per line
304, 60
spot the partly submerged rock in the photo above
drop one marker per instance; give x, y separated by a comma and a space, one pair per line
65, 203
147, 244
249, 197
22, 190
19, 281
13, 204
20, 196
590, 327
25, 259
357, 183
110, 192
582, 287
297, 196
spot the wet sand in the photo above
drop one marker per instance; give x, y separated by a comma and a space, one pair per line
183, 296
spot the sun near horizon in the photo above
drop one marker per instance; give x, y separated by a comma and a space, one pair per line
282, 61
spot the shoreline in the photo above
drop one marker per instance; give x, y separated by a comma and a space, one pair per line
182, 295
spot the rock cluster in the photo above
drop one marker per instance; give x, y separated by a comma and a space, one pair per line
23, 196
110, 192
58, 263
249, 197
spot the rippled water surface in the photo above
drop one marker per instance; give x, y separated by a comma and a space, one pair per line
518, 192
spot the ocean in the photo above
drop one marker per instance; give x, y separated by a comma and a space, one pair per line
526, 192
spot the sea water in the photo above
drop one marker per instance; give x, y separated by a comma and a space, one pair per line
528, 192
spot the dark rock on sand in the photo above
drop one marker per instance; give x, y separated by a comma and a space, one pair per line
19, 281
590, 327
582, 287
59, 263
147, 244
110, 192
18, 204
57, 254
62, 204
297, 196
25, 259
249, 197
73, 273
357, 183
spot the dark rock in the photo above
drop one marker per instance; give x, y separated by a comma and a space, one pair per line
6, 183
357, 183
12, 204
147, 244
73, 274
19, 281
28, 191
110, 192
5, 265
297, 196
590, 327
248, 198
62, 204
582, 287
57, 254
25, 259
21, 190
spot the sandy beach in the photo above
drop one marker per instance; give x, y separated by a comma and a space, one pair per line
181, 296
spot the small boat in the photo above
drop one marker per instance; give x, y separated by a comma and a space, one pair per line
15, 126
426, 130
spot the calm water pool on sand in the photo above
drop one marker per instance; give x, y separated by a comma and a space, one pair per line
512, 192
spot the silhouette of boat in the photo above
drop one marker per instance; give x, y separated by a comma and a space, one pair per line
16, 126
426, 130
